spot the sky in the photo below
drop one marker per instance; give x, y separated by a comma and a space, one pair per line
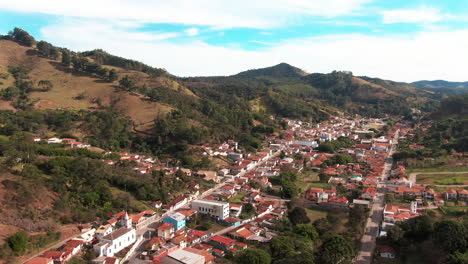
398, 40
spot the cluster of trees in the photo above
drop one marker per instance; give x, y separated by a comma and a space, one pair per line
103, 57
18, 93
287, 182
290, 107
47, 50
301, 241
332, 146
341, 159
20, 36
444, 241
83, 64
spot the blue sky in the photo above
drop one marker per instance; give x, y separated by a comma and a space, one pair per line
397, 40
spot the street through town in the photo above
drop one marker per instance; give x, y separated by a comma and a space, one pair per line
371, 230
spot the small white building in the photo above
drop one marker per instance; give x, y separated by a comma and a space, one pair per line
216, 209
54, 140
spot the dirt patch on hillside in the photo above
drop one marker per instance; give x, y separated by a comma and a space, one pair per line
6, 105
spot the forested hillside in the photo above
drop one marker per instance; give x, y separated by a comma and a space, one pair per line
443, 86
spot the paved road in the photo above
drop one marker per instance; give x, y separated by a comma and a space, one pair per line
372, 225
412, 177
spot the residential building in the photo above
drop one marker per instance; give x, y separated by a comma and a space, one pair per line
166, 231
176, 219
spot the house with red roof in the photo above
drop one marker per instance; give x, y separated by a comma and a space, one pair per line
386, 252
166, 231
368, 193
222, 243
398, 213
40, 260
338, 201
451, 195
59, 257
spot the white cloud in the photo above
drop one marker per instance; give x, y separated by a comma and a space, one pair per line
192, 32
422, 14
213, 13
426, 55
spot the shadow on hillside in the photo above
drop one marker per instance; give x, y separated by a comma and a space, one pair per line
32, 52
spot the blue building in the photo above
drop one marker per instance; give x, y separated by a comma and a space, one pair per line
177, 219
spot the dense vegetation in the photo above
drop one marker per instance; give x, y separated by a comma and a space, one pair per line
104, 58
447, 132
444, 241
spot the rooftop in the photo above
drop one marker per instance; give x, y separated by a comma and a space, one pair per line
117, 233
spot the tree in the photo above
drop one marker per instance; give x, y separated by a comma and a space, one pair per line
126, 83
66, 57
308, 231
45, 85
254, 256
112, 76
457, 258
451, 236
282, 247
298, 216
324, 177
22, 37
19, 242
289, 190
395, 234
335, 250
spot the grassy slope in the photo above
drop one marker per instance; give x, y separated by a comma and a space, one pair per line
68, 84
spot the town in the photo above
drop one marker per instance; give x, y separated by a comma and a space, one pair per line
242, 200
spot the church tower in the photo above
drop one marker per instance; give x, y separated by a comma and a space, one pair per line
126, 221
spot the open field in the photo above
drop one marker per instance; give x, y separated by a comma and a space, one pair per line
315, 214
236, 198
454, 210
438, 169
76, 90
442, 179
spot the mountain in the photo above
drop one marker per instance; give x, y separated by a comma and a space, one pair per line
37, 75
341, 90
440, 84
282, 70
444, 87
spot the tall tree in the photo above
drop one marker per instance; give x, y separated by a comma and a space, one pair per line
298, 216
335, 250
22, 37
451, 235
66, 57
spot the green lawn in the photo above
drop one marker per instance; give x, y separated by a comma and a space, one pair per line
454, 210
237, 198
442, 179
320, 185
438, 169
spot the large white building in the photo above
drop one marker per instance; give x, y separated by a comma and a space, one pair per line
112, 243
213, 208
